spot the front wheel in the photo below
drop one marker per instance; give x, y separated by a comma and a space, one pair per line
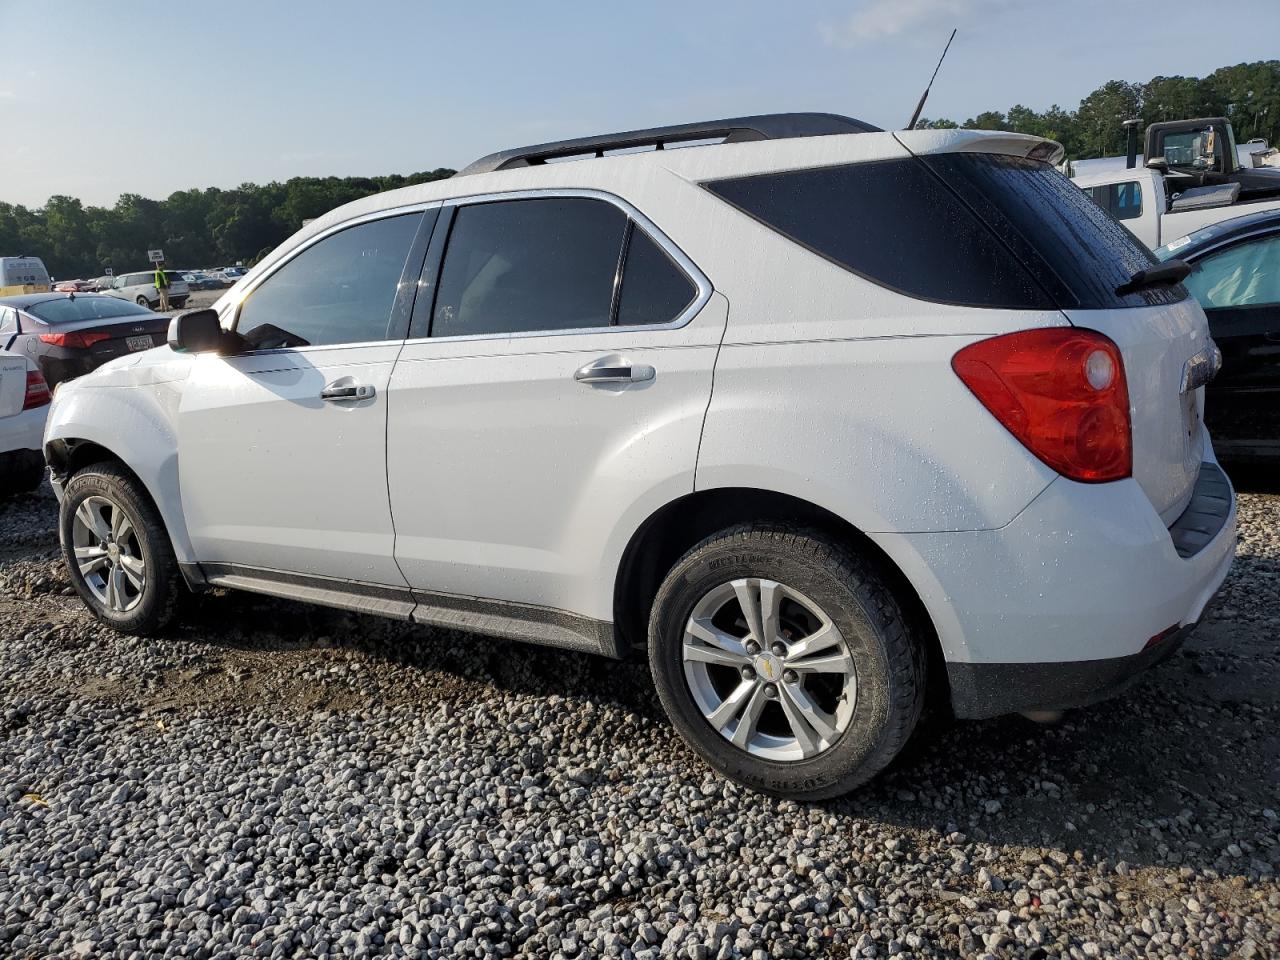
117, 551
144, 302
784, 659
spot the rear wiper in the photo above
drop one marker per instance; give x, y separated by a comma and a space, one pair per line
1161, 275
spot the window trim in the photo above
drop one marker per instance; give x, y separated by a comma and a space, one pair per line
679, 257
401, 291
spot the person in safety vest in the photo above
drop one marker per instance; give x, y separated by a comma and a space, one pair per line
162, 285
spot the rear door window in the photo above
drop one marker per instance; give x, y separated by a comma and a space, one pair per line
523, 266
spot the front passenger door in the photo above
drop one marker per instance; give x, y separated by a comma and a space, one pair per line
282, 449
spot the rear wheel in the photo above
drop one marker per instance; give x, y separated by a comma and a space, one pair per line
783, 658
117, 551
179, 302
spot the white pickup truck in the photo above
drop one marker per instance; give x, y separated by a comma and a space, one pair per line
1191, 174
1142, 200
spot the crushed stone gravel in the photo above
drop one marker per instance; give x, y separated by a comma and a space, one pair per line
275, 780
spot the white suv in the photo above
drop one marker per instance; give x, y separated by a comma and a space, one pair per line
819, 416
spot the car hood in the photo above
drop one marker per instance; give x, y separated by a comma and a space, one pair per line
157, 365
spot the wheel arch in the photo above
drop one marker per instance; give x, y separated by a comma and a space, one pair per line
673, 529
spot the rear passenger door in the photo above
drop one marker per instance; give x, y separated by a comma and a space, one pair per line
551, 392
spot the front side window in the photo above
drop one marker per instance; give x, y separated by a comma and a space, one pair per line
1244, 275
338, 290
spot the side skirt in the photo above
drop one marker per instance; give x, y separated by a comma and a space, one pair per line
514, 621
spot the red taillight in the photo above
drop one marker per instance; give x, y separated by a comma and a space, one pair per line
77, 338
37, 391
1061, 391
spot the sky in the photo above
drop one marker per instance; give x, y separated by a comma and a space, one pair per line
150, 97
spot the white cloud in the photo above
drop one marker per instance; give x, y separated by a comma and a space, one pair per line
887, 18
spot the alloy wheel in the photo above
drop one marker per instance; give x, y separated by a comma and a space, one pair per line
108, 554
769, 669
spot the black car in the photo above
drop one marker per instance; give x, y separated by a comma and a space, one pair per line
70, 334
1236, 277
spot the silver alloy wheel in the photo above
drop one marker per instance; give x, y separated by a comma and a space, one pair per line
108, 554
769, 669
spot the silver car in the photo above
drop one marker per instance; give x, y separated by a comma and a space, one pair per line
141, 289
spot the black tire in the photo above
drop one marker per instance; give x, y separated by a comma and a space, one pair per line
178, 302
889, 664
21, 472
163, 588
143, 302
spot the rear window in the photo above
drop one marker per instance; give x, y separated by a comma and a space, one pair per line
975, 230
1079, 252
68, 310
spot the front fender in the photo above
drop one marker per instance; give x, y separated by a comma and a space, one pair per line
136, 425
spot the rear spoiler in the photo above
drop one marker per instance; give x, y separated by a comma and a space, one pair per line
920, 142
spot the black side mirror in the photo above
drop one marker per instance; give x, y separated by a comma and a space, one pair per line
196, 331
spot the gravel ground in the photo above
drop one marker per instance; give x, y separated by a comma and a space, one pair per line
283, 781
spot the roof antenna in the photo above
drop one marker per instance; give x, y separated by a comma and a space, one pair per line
911, 124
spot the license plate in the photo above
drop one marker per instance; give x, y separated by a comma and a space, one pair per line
138, 343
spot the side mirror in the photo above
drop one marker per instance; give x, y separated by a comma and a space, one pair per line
196, 331
1159, 163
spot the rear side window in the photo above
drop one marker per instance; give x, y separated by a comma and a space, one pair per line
1122, 200
895, 223
978, 230
1074, 248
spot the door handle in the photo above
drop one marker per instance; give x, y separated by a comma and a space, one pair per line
339, 391
613, 370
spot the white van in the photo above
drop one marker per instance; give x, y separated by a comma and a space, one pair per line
19, 275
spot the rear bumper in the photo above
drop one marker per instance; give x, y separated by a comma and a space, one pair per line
24, 431
1059, 608
981, 690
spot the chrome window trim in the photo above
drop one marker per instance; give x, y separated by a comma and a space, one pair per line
681, 259
257, 281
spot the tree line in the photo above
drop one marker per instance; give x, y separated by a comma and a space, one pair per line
195, 228
1248, 94
214, 227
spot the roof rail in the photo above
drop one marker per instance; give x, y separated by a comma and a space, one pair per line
768, 126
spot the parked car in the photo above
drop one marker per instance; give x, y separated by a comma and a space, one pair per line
141, 289
24, 405
20, 275
196, 280
74, 286
231, 274
1235, 274
821, 418
102, 284
67, 336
